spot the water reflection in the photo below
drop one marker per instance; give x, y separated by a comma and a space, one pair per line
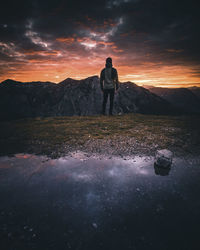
162, 171
81, 202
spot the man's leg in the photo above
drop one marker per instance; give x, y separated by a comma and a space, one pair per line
105, 98
112, 93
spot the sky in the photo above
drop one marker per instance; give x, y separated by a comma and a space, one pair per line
151, 42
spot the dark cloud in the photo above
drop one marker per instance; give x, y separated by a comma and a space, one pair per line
159, 26
136, 30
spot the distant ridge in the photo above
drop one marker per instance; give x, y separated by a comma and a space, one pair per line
195, 90
187, 100
77, 97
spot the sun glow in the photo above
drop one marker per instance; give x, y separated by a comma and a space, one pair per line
80, 68
80, 58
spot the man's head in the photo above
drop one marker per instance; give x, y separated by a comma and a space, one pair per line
109, 62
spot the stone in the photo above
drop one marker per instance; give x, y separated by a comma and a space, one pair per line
163, 158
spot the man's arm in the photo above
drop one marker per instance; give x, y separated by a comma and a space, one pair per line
101, 80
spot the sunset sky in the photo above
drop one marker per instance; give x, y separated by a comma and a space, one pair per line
152, 42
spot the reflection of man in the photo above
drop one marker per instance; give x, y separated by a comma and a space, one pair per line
109, 84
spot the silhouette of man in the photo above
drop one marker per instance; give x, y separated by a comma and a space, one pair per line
109, 84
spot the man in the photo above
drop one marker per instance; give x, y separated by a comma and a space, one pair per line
109, 84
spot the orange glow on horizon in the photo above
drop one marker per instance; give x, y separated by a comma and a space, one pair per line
165, 76
80, 67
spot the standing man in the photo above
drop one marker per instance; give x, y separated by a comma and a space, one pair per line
109, 84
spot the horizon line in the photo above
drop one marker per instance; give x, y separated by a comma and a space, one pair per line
140, 85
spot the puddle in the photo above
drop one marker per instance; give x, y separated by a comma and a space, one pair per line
97, 202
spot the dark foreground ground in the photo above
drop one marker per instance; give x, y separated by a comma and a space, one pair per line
129, 134
86, 183
93, 203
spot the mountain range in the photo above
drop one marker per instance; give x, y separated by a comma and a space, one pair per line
84, 97
186, 100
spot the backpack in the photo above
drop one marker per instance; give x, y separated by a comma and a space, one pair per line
113, 74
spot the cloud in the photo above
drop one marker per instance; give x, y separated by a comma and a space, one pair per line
136, 33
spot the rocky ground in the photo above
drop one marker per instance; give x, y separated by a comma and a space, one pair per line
131, 134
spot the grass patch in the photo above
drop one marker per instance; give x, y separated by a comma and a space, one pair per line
141, 133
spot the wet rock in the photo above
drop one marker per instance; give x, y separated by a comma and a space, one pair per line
163, 158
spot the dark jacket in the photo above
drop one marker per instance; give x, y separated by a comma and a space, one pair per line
114, 76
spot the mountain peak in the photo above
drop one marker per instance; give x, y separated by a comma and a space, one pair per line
10, 81
70, 80
92, 77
